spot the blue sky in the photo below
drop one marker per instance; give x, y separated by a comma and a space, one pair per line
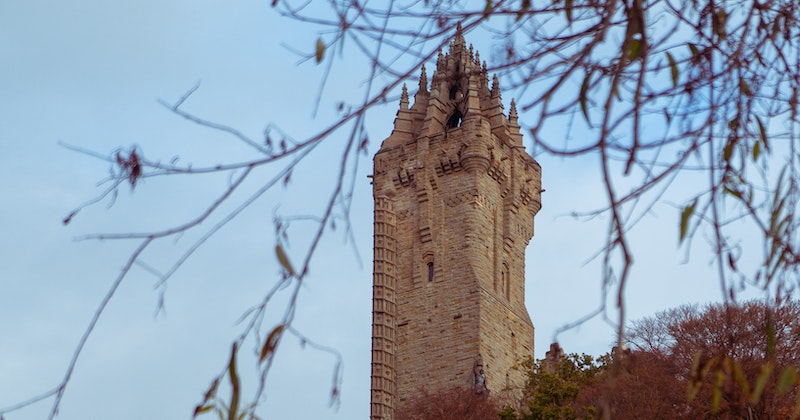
89, 73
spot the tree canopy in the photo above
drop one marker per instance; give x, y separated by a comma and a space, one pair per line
716, 361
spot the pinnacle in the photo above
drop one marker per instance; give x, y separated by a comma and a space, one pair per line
423, 80
495, 87
512, 114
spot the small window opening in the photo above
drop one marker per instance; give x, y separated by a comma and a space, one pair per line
505, 283
455, 119
454, 90
430, 271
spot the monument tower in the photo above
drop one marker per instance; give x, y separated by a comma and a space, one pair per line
455, 196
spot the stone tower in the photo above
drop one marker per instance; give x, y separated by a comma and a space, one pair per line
455, 196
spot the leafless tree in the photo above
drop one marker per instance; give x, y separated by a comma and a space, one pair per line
654, 90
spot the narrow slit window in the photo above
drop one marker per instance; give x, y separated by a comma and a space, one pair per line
430, 271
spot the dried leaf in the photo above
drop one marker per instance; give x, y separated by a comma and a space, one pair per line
568, 10
204, 409
720, 20
320, 51
487, 10
69, 217
745, 88
271, 342
210, 394
234, 378
673, 67
525, 5
762, 133
756, 151
694, 50
284, 260
731, 262
734, 192
583, 95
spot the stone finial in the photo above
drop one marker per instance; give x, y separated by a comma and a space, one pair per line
404, 98
553, 357
495, 87
423, 80
512, 114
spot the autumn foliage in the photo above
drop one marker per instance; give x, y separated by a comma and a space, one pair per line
451, 404
738, 361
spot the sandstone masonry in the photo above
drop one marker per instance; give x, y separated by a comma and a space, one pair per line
455, 198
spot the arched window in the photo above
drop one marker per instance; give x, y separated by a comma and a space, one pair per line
455, 119
428, 269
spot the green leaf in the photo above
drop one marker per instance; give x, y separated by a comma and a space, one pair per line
727, 151
695, 376
634, 49
762, 133
693, 49
271, 342
734, 192
761, 382
716, 395
739, 377
234, 377
673, 67
320, 51
583, 95
284, 260
787, 380
686, 214
756, 150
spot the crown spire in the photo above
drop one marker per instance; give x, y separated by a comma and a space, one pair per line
512, 114
495, 87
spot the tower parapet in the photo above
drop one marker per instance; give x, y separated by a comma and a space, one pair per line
461, 193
